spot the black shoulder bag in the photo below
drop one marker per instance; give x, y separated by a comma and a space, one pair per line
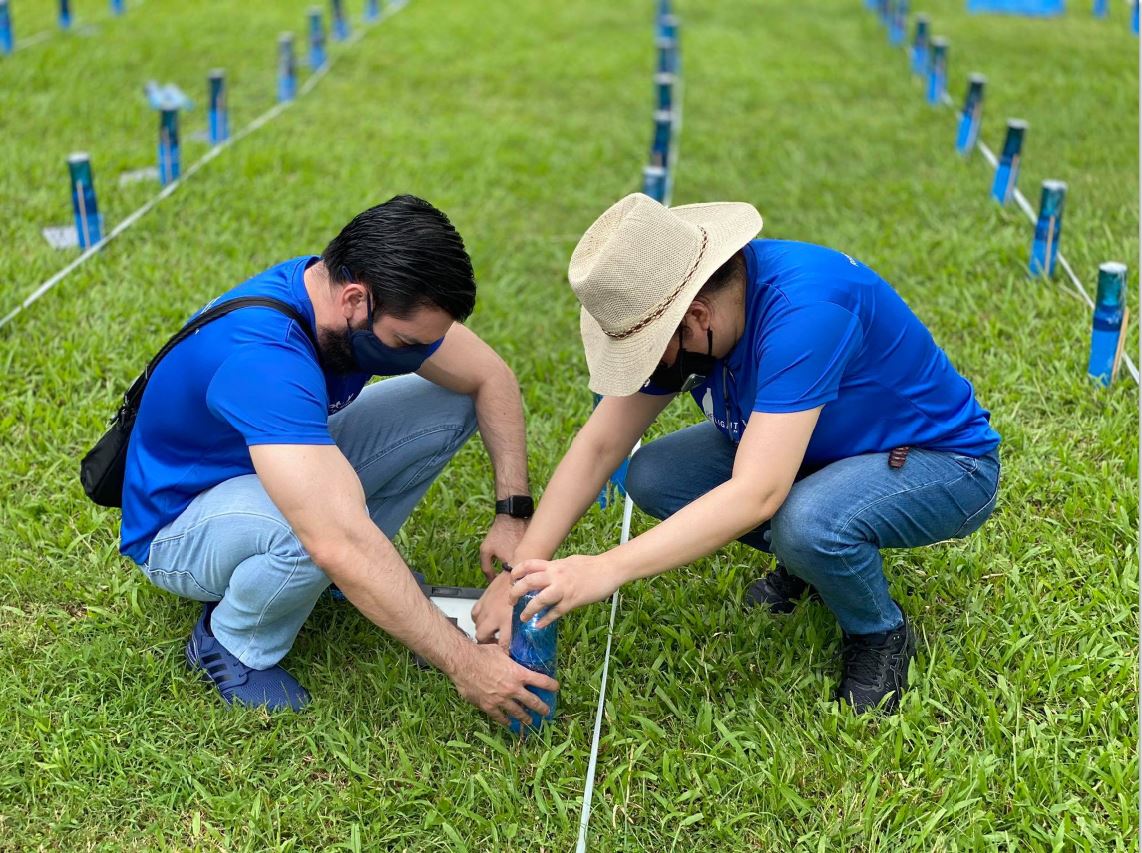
102, 469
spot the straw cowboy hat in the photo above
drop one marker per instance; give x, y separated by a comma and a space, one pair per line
636, 271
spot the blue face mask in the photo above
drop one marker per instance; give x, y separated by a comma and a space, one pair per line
373, 356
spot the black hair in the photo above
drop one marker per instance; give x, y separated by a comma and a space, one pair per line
409, 256
723, 276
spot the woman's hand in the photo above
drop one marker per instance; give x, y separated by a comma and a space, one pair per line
563, 585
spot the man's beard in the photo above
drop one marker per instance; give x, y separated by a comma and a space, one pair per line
335, 351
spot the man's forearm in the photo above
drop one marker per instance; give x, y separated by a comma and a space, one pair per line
368, 569
499, 413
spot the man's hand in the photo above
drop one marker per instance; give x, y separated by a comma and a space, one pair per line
563, 585
500, 543
493, 612
497, 685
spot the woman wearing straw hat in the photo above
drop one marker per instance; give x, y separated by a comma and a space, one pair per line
835, 426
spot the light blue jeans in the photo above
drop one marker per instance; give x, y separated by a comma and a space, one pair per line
233, 546
831, 528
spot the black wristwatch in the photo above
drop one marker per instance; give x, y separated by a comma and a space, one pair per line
517, 506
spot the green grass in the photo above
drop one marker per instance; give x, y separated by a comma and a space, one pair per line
523, 122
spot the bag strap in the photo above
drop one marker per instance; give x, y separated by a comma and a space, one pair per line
135, 392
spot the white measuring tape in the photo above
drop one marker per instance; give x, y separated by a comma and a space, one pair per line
270, 114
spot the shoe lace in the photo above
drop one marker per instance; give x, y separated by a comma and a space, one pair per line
865, 661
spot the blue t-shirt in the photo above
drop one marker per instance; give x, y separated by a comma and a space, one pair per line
251, 377
823, 329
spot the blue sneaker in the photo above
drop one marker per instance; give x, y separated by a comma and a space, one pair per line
273, 689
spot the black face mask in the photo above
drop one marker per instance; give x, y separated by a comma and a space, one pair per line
689, 370
371, 355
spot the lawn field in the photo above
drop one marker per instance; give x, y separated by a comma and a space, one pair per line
524, 121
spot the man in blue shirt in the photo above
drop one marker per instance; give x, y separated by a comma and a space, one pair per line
261, 466
835, 427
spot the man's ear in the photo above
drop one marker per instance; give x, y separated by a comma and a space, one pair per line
351, 298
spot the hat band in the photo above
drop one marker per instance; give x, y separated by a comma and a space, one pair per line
660, 309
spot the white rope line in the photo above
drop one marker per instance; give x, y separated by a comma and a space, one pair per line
592, 762
76, 23
1023, 204
270, 114
32, 40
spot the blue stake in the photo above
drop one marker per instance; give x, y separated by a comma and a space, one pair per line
660, 145
667, 55
1007, 172
920, 42
219, 114
65, 14
287, 68
1101, 8
316, 38
937, 70
1134, 17
664, 91
1048, 228
170, 162
7, 43
88, 222
1109, 308
340, 22
664, 10
899, 22
372, 11
117, 7
971, 115
654, 183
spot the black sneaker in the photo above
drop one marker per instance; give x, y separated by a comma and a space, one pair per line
778, 591
874, 671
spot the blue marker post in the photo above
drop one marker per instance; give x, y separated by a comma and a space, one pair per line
1007, 172
667, 55
7, 43
219, 113
1134, 17
170, 161
316, 38
88, 222
920, 41
938, 70
654, 183
1048, 228
65, 14
340, 22
287, 68
971, 116
372, 11
898, 23
1101, 8
1107, 327
660, 145
117, 7
664, 91
665, 10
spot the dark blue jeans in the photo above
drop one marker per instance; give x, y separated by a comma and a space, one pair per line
834, 522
